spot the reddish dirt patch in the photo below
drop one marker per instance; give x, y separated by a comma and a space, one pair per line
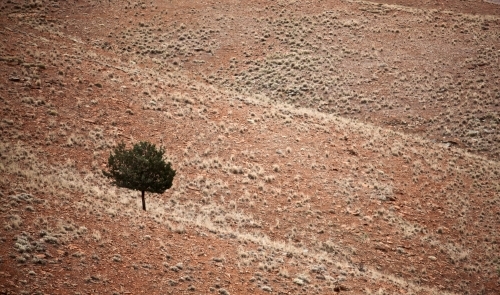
268, 197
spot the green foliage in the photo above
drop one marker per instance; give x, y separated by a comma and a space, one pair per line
141, 168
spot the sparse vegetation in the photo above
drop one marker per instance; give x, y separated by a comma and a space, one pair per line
323, 147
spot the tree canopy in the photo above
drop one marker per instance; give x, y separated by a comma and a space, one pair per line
140, 168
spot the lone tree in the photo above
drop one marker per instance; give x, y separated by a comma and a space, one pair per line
141, 168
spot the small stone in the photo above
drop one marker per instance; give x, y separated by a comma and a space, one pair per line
381, 247
391, 198
433, 258
339, 288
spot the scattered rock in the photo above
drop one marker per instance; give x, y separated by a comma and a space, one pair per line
352, 152
390, 198
472, 133
218, 259
381, 247
339, 288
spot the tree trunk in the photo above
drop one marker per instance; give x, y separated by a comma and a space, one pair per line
143, 202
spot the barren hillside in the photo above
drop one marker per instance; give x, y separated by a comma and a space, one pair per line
321, 147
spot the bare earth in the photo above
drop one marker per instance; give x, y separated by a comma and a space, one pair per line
320, 146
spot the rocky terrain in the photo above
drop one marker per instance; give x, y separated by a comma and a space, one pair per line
320, 146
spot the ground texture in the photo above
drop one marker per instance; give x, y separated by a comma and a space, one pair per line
320, 146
